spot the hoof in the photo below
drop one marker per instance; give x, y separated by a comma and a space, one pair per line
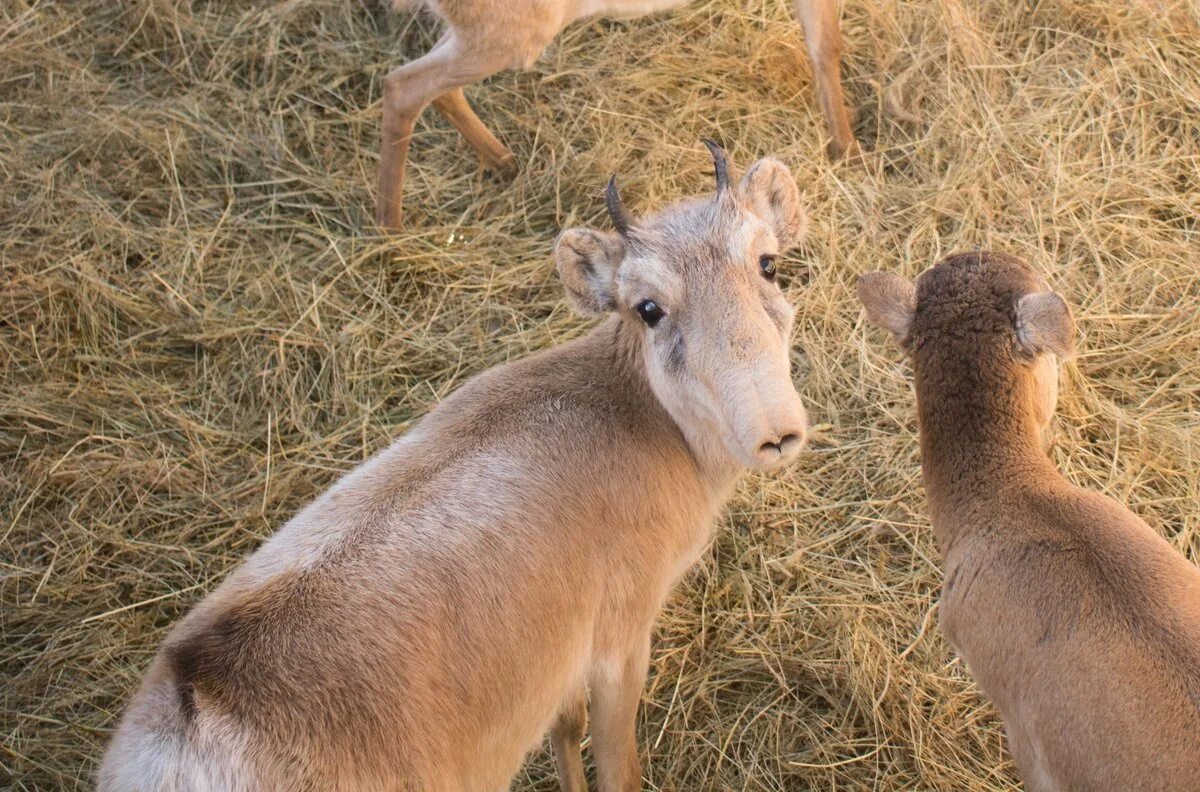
501, 169
845, 151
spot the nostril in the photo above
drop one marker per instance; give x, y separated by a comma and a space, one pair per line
771, 452
786, 442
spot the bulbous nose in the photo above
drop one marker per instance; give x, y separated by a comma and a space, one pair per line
781, 447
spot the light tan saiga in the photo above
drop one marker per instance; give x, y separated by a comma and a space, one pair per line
1079, 621
425, 622
484, 37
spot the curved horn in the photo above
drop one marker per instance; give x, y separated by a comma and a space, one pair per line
720, 163
616, 209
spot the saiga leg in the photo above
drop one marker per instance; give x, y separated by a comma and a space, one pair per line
407, 91
492, 153
565, 737
824, 39
616, 690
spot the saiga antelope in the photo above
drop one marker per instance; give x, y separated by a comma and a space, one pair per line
484, 37
1079, 621
422, 624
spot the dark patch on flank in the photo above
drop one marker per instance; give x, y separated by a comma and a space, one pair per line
228, 658
184, 661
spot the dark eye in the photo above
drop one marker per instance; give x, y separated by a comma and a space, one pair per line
649, 311
767, 265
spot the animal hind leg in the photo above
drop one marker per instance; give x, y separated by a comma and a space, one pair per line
819, 19
492, 153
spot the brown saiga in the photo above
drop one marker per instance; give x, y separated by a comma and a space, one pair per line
1079, 621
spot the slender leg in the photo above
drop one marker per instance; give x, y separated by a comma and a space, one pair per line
492, 153
407, 91
824, 39
616, 691
393, 159
565, 736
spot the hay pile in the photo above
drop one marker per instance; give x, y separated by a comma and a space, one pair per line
198, 331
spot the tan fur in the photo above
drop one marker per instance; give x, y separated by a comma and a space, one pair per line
424, 623
1079, 621
484, 37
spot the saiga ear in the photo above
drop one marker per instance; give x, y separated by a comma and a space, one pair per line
770, 191
587, 262
1044, 324
890, 301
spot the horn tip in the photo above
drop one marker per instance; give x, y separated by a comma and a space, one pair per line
720, 162
616, 209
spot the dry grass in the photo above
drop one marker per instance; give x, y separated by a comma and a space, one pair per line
198, 332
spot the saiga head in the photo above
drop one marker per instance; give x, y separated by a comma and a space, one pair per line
974, 314
696, 281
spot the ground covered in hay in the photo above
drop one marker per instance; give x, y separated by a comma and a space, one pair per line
199, 330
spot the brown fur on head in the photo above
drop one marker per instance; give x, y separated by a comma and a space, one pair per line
977, 325
695, 282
